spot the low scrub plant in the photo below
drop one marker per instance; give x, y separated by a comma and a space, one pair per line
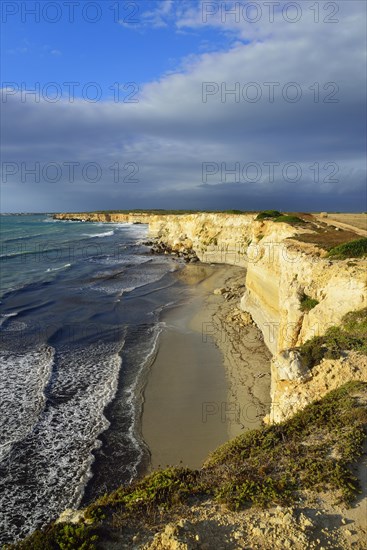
292, 220
353, 249
351, 335
307, 303
60, 536
268, 214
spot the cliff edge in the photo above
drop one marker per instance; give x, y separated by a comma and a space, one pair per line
296, 289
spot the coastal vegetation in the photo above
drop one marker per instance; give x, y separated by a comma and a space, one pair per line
61, 536
351, 335
162, 212
307, 303
157, 211
268, 214
352, 249
292, 220
277, 216
311, 452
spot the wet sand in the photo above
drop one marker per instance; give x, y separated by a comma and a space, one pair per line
199, 392
246, 359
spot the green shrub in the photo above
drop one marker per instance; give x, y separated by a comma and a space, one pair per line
76, 536
311, 451
265, 214
353, 249
356, 322
292, 220
162, 488
351, 335
313, 351
307, 303
60, 536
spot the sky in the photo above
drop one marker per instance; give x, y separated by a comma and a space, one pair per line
183, 104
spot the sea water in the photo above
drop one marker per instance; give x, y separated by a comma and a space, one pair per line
80, 323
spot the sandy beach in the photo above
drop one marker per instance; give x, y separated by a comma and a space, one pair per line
210, 380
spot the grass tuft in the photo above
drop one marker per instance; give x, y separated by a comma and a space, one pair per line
63, 536
353, 249
350, 335
268, 214
312, 450
292, 220
307, 303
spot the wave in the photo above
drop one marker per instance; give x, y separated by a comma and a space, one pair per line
133, 277
22, 237
52, 455
40, 253
5, 316
144, 356
23, 380
15, 326
107, 234
50, 220
14, 254
57, 268
124, 435
122, 225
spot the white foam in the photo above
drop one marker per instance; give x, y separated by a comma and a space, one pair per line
5, 316
57, 453
134, 277
57, 268
14, 326
22, 382
106, 234
143, 354
51, 220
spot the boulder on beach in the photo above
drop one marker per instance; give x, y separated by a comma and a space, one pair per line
219, 291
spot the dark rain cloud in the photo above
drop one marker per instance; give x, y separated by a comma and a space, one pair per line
161, 142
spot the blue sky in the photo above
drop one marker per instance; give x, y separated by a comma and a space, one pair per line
124, 44
123, 56
229, 109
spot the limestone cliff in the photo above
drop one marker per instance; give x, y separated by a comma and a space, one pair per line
280, 269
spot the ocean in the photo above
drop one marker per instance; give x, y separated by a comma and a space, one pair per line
81, 308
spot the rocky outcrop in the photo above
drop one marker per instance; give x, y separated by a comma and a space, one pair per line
215, 238
103, 217
284, 272
211, 526
291, 394
280, 270
159, 247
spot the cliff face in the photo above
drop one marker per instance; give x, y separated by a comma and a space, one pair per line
283, 272
279, 271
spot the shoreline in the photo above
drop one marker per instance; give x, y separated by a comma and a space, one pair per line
246, 359
198, 394
226, 328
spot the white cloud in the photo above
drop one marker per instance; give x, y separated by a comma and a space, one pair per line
162, 14
171, 132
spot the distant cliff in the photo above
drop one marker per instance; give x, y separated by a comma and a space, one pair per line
283, 270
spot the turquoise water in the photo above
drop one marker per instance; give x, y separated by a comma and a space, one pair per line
80, 322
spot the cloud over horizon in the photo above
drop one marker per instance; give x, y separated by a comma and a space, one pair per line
178, 148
